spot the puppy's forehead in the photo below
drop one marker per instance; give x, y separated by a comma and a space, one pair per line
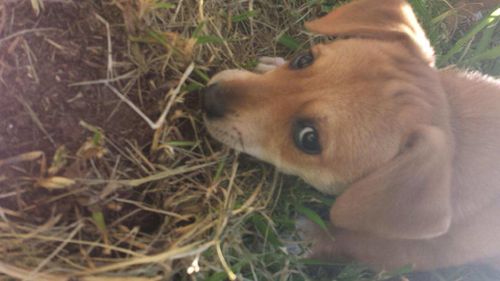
355, 52
347, 67
346, 75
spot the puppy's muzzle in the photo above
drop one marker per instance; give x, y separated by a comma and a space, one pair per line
213, 103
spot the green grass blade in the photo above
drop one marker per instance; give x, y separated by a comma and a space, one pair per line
182, 143
313, 216
491, 54
163, 6
486, 39
243, 16
265, 230
462, 42
193, 86
421, 10
289, 42
98, 218
440, 18
202, 74
208, 39
220, 168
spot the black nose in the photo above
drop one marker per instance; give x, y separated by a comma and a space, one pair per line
213, 102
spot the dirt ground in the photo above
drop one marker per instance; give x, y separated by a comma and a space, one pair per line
55, 115
40, 107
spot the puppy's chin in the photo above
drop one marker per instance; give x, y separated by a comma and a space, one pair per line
333, 189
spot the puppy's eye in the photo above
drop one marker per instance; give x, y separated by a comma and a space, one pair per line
302, 60
306, 139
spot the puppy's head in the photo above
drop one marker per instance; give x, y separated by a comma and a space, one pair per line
338, 111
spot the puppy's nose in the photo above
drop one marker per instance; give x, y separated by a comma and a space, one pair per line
213, 102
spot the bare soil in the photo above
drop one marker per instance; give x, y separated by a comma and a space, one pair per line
66, 44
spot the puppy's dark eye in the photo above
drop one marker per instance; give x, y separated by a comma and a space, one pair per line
306, 138
302, 60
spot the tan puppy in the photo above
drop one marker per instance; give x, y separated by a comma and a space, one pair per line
412, 151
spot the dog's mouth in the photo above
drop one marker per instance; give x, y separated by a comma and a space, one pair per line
236, 136
228, 135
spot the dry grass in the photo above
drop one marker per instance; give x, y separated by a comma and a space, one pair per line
157, 207
106, 171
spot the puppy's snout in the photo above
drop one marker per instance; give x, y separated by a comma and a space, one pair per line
213, 103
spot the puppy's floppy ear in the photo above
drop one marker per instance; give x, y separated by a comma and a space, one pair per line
408, 197
392, 20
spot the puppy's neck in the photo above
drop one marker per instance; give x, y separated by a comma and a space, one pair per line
456, 81
474, 101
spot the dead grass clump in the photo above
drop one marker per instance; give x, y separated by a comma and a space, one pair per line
106, 172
